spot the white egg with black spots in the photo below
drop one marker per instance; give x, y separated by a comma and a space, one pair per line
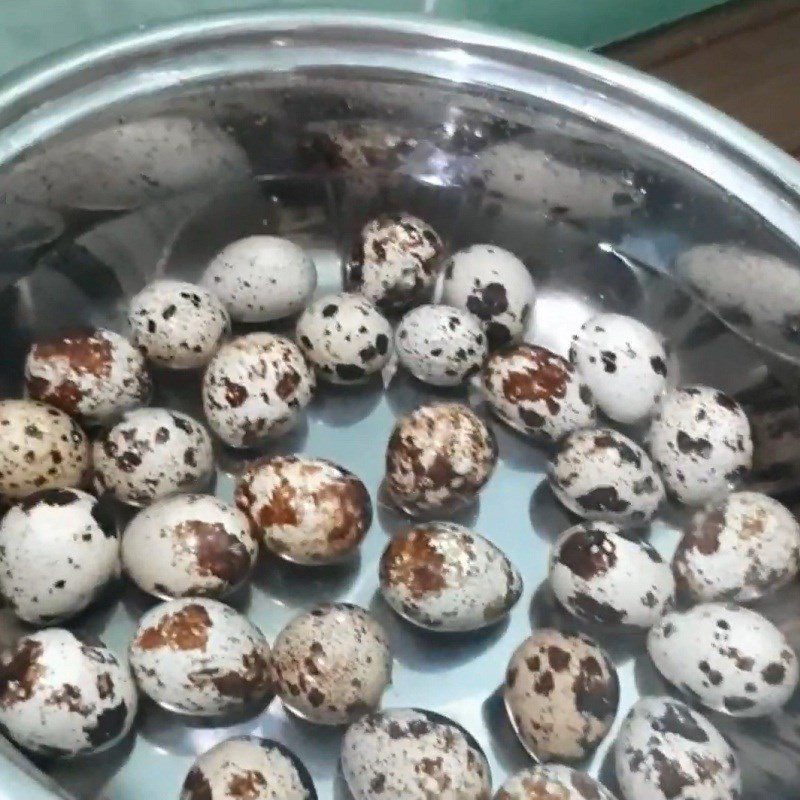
552, 782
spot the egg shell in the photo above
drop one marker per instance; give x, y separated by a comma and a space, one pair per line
405, 754
444, 577
438, 458
306, 510
345, 337
261, 278
605, 578
94, 375
700, 441
177, 324
255, 387
623, 362
60, 697
552, 782
41, 447
561, 695
189, 545
151, 453
668, 751
602, 475
536, 392
740, 549
440, 345
199, 657
332, 664
58, 550
394, 261
729, 659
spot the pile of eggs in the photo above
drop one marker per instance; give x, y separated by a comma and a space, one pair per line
621, 437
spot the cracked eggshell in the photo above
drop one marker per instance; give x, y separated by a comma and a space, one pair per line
199, 657
668, 751
332, 664
561, 695
729, 659
60, 697
444, 577
189, 545
552, 782
604, 578
700, 441
255, 387
601, 475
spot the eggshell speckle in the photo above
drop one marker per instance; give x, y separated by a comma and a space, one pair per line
552, 782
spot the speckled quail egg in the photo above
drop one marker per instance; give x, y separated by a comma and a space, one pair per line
406, 754
668, 751
440, 345
728, 658
200, 657
536, 392
345, 337
603, 475
332, 664
255, 387
261, 278
189, 545
444, 577
700, 441
495, 286
438, 458
151, 453
742, 548
602, 577
248, 768
61, 697
552, 782
177, 324
41, 447
94, 375
561, 695
306, 510
623, 362
394, 261
58, 549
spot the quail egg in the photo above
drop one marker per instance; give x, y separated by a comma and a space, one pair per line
41, 447
603, 475
200, 657
255, 387
151, 453
345, 337
668, 751
332, 664
261, 278
444, 577
394, 261
438, 458
306, 510
93, 375
61, 697
561, 695
406, 754
552, 782
440, 345
728, 658
604, 578
700, 441
189, 545
536, 392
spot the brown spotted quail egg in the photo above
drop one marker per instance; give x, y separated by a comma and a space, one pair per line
189, 545
552, 782
444, 577
41, 447
306, 510
61, 697
561, 694
332, 664
199, 657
